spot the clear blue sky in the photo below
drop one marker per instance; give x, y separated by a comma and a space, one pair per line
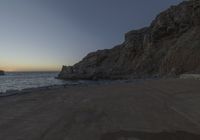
46, 34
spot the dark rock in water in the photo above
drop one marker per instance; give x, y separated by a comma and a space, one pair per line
2, 72
168, 47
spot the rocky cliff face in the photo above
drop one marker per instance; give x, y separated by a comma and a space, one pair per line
1, 72
169, 46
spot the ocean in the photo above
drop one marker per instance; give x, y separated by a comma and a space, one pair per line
12, 81
24, 80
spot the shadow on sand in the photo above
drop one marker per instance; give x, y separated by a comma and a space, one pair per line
136, 135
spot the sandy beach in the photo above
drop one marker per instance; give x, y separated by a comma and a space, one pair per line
152, 110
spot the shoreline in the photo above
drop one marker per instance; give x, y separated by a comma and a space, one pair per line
89, 82
77, 83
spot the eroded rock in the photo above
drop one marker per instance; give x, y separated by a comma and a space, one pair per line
169, 46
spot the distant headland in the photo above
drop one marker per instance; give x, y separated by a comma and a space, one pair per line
170, 46
2, 72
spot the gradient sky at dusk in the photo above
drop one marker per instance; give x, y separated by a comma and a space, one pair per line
46, 34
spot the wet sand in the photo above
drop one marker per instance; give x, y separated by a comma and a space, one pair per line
153, 110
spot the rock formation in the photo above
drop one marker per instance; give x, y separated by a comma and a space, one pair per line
169, 46
2, 72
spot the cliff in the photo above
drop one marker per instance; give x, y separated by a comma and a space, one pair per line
170, 46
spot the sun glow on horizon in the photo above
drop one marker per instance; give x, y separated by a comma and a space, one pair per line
29, 68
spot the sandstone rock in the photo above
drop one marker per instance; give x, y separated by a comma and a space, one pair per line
169, 46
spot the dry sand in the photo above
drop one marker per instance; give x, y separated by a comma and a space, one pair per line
153, 110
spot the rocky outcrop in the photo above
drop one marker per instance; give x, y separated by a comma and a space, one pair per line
2, 72
170, 46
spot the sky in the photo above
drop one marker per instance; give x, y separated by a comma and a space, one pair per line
43, 35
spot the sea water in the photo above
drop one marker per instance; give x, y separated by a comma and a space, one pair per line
24, 80
12, 81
